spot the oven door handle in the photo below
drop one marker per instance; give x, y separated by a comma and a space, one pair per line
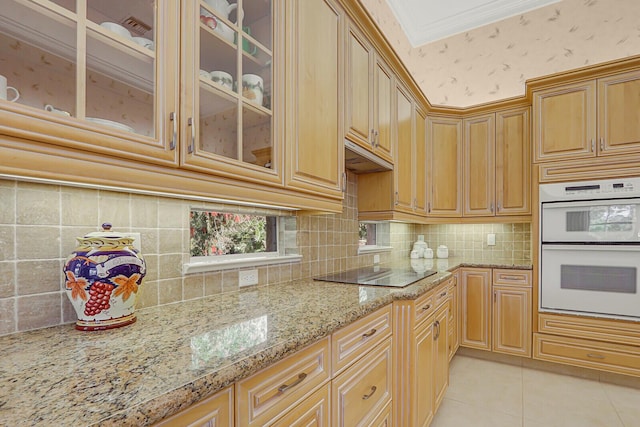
583, 247
547, 204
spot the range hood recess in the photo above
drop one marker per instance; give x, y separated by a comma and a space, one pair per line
358, 160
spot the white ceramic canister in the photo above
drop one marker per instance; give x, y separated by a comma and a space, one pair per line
443, 251
428, 253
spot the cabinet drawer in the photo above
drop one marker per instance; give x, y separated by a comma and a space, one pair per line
313, 411
616, 358
616, 331
424, 307
349, 343
511, 277
441, 294
384, 418
364, 389
278, 388
216, 410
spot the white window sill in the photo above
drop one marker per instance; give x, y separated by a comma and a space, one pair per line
369, 249
227, 264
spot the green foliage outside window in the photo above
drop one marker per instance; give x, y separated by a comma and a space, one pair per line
218, 233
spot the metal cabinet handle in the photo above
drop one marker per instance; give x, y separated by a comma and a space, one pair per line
491, 207
593, 144
377, 139
595, 356
511, 277
373, 390
495, 296
429, 207
437, 328
601, 143
369, 334
193, 135
285, 387
372, 138
344, 182
174, 134
426, 307
397, 198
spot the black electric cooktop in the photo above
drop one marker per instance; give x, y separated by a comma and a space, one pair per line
396, 277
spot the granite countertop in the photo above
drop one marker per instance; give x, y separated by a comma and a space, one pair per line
176, 355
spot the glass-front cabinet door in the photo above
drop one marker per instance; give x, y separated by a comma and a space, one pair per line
229, 76
98, 75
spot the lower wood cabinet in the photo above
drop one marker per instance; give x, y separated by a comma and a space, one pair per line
496, 310
421, 335
603, 344
364, 389
278, 389
313, 411
216, 410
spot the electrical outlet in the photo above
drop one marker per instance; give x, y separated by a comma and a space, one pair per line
247, 277
491, 239
376, 259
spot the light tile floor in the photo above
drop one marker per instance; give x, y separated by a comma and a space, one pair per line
484, 393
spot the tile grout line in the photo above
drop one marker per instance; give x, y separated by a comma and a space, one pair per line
615, 408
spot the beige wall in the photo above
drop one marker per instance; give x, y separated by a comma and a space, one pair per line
39, 223
493, 62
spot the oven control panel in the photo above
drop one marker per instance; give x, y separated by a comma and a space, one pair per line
582, 190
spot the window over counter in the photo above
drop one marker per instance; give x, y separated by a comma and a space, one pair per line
223, 239
374, 236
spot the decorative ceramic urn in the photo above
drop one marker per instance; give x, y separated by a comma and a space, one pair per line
102, 276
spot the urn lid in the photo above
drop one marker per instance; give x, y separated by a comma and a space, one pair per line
107, 235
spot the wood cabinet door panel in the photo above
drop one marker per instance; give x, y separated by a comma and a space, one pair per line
420, 163
404, 147
359, 89
564, 122
619, 114
384, 83
314, 131
423, 397
513, 163
444, 159
441, 355
512, 320
475, 299
479, 166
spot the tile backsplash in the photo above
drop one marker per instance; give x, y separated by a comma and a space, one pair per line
39, 224
470, 240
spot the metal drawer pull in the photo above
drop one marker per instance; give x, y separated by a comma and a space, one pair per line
426, 307
444, 294
192, 145
369, 334
174, 135
373, 390
285, 387
511, 278
595, 356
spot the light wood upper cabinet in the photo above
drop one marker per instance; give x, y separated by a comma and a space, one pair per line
444, 166
479, 166
475, 303
404, 152
314, 125
369, 95
85, 87
359, 88
564, 122
619, 114
513, 162
598, 117
420, 162
497, 170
